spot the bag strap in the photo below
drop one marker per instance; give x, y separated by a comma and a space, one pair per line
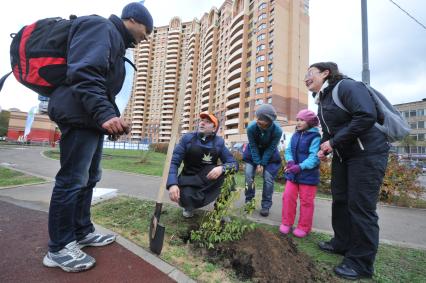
336, 99
3, 79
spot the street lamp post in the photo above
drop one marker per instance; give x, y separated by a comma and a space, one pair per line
365, 68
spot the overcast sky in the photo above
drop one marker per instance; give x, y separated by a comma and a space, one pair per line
397, 45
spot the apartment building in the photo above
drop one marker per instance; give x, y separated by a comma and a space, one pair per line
238, 56
415, 113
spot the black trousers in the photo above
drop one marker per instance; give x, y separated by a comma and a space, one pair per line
355, 186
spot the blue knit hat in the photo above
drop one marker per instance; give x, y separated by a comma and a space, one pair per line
138, 12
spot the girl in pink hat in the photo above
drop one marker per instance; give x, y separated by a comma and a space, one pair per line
302, 174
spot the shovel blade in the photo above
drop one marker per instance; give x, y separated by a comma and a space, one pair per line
156, 231
156, 243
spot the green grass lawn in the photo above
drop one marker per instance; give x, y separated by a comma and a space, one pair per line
10, 177
130, 217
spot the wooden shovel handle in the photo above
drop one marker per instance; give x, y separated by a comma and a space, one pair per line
174, 134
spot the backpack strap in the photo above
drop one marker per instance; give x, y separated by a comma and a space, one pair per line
3, 79
130, 62
336, 99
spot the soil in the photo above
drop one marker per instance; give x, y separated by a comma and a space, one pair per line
262, 256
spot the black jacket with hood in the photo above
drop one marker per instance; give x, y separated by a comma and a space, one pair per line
351, 134
95, 73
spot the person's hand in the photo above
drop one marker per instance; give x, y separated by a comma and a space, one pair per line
321, 155
326, 147
116, 126
174, 193
215, 173
289, 164
295, 169
259, 169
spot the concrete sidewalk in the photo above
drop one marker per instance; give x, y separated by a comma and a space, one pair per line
400, 226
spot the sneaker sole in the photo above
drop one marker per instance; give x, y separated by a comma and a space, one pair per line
101, 244
50, 263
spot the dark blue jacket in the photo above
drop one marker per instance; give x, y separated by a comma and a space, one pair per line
353, 133
225, 156
303, 150
95, 73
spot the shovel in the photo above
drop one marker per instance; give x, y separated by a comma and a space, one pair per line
156, 230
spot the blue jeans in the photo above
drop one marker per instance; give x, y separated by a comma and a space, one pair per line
268, 186
69, 212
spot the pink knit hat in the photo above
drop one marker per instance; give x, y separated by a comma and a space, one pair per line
308, 116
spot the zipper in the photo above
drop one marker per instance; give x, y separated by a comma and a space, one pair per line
322, 117
360, 143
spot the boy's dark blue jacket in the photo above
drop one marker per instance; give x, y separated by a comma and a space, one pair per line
228, 161
95, 73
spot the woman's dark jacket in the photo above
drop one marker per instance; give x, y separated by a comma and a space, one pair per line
228, 161
353, 133
95, 73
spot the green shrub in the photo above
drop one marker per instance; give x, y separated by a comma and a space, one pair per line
213, 227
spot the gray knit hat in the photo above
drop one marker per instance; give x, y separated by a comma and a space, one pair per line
266, 112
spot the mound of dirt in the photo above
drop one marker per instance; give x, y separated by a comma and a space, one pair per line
263, 256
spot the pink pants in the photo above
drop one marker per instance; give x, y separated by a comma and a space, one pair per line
307, 204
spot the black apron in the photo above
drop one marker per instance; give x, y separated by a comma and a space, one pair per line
195, 189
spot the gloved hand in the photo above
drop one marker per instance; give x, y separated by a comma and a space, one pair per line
289, 164
295, 169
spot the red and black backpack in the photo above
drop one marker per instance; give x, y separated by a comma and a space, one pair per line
38, 54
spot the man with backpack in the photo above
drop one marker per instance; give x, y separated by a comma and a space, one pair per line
84, 108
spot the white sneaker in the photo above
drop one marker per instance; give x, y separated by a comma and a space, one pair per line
69, 259
96, 240
187, 213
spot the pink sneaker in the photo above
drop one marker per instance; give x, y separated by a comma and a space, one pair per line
284, 229
299, 233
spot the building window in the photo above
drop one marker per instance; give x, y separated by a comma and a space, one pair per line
420, 124
262, 16
270, 100
271, 56
421, 137
260, 58
270, 67
260, 79
269, 89
260, 47
259, 90
413, 125
259, 101
261, 37
420, 112
262, 6
406, 114
260, 69
270, 78
413, 113
261, 27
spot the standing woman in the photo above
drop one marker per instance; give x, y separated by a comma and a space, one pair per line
360, 155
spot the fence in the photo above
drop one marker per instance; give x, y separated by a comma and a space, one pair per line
126, 145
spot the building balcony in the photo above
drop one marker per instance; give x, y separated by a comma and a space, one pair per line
235, 65
232, 103
205, 99
232, 132
237, 21
206, 85
237, 47
237, 36
233, 93
232, 112
234, 84
232, 122
234, 74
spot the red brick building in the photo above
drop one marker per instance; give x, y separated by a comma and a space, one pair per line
43, 130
